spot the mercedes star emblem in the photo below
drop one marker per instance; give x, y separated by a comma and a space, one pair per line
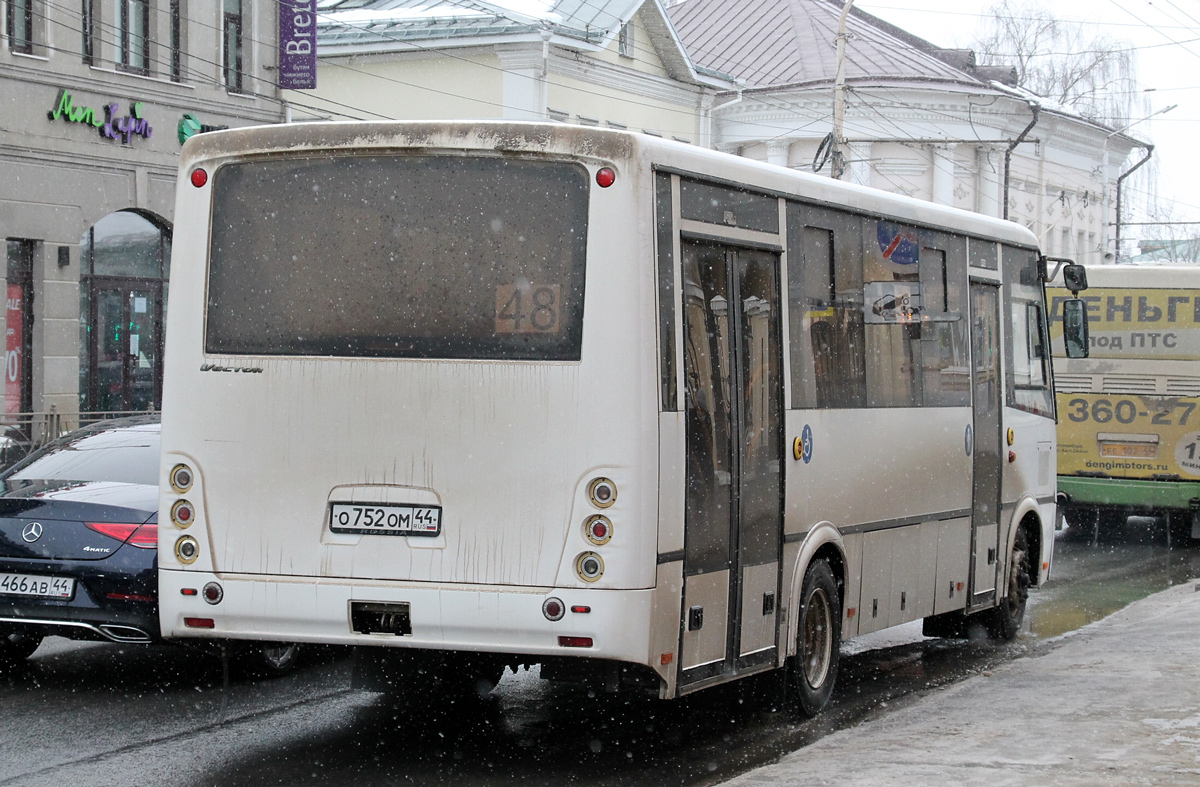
32, 532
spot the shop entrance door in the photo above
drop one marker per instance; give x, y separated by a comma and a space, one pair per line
126, 345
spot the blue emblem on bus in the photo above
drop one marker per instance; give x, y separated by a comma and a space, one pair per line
806, 439
898, 244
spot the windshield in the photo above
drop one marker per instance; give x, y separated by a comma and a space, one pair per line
398, 256
125, 455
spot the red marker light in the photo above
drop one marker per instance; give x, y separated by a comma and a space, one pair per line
199, 177
200, 623
581, 609
575, 642
605, 177
189, 591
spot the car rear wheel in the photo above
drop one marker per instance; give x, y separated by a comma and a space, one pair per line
18, 646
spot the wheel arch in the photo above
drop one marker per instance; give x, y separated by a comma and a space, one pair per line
1027, 516
823, 542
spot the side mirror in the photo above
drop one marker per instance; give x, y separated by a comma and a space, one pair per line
1075, 277
1075, 325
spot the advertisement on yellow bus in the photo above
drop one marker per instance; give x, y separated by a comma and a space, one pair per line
1129, 414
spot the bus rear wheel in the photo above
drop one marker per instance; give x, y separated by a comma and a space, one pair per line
812, 672
1004, 620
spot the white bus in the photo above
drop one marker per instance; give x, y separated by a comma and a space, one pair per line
470, 395
1129, 431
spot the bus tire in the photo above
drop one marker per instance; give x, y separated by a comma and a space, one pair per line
16, 646
265, 659
812, 672
1004, 620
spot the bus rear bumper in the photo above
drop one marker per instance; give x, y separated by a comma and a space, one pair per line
469, 618
1133, 493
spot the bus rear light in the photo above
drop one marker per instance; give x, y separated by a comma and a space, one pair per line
598, 529
602, 492
589, 566
553, 609
182, 513
200, 623
581, 609
199, 177
213, 593
188, 592
575, 642
187, 549
605, 177
181, 478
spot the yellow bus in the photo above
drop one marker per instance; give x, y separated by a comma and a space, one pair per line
1129, 415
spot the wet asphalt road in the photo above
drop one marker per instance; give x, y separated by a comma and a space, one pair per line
95, 714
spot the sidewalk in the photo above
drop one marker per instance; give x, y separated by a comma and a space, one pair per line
1116, 703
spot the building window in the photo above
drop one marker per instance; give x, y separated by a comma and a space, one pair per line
133, 35
87, 23
177, 16
19, 23
18, 327
625, 40
232, 44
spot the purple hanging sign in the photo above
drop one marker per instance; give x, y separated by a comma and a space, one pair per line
297, 44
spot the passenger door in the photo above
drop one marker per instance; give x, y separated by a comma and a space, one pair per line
987, 400
733, 524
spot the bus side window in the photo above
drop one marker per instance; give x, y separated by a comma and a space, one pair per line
946, 372
826, 307
1026, 351
894, 307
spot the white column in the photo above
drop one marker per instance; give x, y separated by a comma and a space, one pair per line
777, 152
858, 157
942, 191
991, 172
523, 83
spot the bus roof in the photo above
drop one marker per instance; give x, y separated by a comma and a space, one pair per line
1140, 276
605, 144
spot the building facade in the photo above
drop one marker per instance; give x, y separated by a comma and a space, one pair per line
917, 119
96, 99
612, 63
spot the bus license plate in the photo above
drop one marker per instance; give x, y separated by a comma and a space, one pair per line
385, 520
27, 585
1129, 450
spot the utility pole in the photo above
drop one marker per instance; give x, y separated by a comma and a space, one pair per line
839, 97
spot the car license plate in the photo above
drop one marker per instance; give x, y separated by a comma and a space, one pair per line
27, 585
385, 519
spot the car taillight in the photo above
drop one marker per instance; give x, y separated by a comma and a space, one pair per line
118, 530
145, 537
141, 536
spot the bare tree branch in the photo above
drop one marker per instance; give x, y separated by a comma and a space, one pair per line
1094, 76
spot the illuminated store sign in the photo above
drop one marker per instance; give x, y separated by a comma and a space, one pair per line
110, 126
190, 126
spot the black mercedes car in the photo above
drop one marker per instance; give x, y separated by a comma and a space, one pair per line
78, 544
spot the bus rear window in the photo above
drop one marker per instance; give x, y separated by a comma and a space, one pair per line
398, 256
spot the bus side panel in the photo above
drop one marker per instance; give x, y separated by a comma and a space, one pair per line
1029, 473
870, 469
874, 471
